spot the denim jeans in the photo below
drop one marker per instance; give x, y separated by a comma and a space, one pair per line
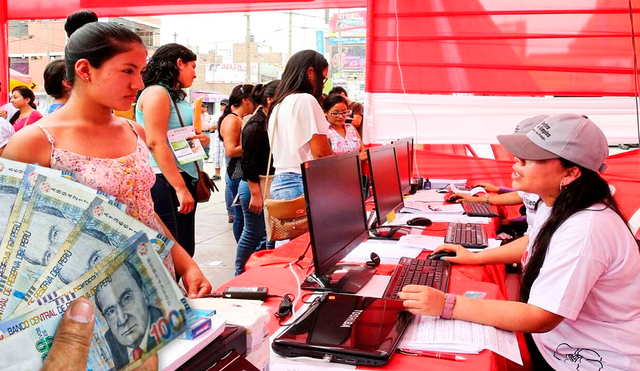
230, 192
286, 186
165, 203
254, 236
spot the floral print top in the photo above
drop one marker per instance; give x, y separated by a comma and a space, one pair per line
129, 179
340, 144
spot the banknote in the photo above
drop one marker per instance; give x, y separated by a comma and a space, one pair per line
137, 313
12, 177
106, 228
52, 212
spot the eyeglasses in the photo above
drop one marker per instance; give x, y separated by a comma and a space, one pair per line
338, 114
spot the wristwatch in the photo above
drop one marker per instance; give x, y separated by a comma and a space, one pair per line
449, 302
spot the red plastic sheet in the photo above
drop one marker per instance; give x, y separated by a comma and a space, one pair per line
501, 47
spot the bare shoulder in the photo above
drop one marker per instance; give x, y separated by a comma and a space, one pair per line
30, 144
155, 94
140, 129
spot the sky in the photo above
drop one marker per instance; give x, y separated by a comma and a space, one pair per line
204, 31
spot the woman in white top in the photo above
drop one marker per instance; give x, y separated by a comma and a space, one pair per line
300, 126
580, 296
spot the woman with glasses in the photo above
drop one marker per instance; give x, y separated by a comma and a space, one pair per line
297, 126
342, 138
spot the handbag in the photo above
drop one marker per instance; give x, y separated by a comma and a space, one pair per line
204, 186
283, 219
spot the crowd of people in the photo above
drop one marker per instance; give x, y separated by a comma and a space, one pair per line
578, 254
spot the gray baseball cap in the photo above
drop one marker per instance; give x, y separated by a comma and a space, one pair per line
527, 124
569, 136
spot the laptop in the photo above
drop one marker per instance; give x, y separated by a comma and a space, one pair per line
347, 329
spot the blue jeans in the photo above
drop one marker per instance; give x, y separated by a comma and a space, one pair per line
230, 192
286, 186
254, 235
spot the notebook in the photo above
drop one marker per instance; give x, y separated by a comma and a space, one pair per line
346, 329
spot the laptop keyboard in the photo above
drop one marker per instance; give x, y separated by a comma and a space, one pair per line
475, 208
409, 271
467, 234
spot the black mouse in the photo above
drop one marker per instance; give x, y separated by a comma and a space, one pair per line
419, 221
453, 198
441, 254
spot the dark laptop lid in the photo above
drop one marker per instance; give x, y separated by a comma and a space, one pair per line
350, 329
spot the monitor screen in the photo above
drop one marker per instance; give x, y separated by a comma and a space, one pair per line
335, 208
385, 181
404, 171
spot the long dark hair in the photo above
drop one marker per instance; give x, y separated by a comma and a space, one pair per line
261, 93
26, 93
238, 93
163, 69
589, 189
97, 42
295, 78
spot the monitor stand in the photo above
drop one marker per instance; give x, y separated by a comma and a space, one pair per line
343, 278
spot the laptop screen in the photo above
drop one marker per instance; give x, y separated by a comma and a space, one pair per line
348, 325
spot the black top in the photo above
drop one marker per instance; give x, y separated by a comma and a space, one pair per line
255, 148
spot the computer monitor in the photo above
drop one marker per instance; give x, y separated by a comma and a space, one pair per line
404, 164
384, 181
337, 221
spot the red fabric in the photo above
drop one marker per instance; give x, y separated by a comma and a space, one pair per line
501, 47
44, 9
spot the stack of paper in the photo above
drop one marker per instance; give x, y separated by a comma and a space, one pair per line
389, 252
455, 336
443, 183
431, 207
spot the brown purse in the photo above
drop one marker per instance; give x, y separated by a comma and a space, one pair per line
283, 219
204, 186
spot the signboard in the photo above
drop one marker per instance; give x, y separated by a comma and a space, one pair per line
228, 73
348, 21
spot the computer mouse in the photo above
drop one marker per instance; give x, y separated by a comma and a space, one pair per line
453, 198
439, 255
419, 221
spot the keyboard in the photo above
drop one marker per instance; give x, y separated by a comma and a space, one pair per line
475, 208
467, 234
409, 271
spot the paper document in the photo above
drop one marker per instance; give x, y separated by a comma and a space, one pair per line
390, 252
473, 191
186, 150
401, 219
436, 334
421, 242
426, 195
433, 207
444, 183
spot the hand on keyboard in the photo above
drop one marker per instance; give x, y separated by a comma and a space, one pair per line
422, 300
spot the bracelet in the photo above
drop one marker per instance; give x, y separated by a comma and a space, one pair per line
486, 198
449, 302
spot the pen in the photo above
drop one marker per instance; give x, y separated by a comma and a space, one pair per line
433, 208
425, 353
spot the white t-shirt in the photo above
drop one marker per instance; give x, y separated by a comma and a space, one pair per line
299, 118
591, 277
530, 200
6, 131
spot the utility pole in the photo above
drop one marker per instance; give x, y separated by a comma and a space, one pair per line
247, 51
290, 34
175, 37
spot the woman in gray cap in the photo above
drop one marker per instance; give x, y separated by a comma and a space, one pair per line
580, 295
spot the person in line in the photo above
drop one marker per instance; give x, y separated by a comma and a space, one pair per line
6, 132
23, 99
255, 156
217, 149
297, 125
342, 138
80, 136
229, 129
55, 84
170, 70
356, 110
580, 294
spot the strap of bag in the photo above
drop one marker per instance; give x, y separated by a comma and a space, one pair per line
275, 124
182, 124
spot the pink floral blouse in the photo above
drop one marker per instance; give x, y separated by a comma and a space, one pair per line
129, 179
340, 144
